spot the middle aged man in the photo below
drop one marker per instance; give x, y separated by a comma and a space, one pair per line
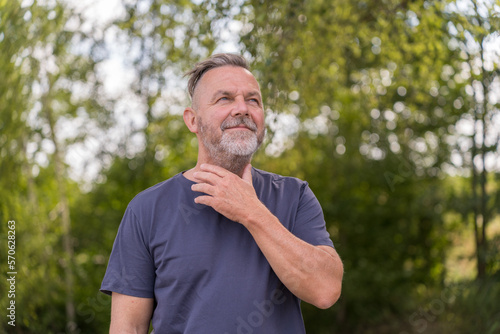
222, 247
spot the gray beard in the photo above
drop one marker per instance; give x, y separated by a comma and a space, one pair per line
231, 154
233, 150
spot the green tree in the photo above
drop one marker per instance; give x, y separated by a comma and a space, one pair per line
473, 35
46, 87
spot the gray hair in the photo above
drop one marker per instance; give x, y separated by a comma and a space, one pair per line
216, 60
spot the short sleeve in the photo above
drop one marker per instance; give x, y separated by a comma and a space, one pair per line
131, 268
310, 223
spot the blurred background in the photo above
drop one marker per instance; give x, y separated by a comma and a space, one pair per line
389, 109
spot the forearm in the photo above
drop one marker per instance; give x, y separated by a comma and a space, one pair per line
312, 273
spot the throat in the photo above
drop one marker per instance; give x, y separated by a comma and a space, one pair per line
233, 163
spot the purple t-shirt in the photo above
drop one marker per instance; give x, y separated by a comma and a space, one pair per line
205, 272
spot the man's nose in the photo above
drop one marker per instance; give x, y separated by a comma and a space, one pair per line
240, 108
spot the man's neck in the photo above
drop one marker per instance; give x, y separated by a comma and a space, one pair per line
236, 166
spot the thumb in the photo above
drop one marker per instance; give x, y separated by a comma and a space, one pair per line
247, 173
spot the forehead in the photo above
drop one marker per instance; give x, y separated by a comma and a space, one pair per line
231, 78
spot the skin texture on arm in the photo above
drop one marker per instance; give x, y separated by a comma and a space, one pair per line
130, 315
312, 273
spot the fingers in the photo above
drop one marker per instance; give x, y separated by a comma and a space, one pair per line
206, 200
210, 174
217, 182
224, 191
215, 170
203, 188
206, 177
247, 173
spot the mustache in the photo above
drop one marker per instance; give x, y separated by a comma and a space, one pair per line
240, 120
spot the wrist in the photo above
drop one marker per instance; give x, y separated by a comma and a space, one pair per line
258, 217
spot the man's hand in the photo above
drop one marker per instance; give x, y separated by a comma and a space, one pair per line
227, 193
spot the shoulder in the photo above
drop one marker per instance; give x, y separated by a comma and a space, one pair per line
159, 192
273, 185
261, 177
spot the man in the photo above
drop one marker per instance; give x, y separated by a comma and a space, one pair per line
223, 247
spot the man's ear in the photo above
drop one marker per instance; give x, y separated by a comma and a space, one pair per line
190, 119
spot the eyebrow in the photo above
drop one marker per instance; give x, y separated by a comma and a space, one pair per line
254, 93
232, 93
222, 92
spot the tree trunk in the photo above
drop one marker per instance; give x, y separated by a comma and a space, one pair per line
65, 223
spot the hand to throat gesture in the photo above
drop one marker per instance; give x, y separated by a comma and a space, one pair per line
227, 193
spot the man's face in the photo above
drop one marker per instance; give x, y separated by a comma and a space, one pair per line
229, 110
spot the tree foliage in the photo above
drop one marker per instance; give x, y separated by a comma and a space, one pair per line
366, 100
48, 86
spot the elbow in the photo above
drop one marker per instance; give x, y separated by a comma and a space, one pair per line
328, 300
328, 297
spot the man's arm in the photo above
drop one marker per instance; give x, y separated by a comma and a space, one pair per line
130, 314
312, 273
